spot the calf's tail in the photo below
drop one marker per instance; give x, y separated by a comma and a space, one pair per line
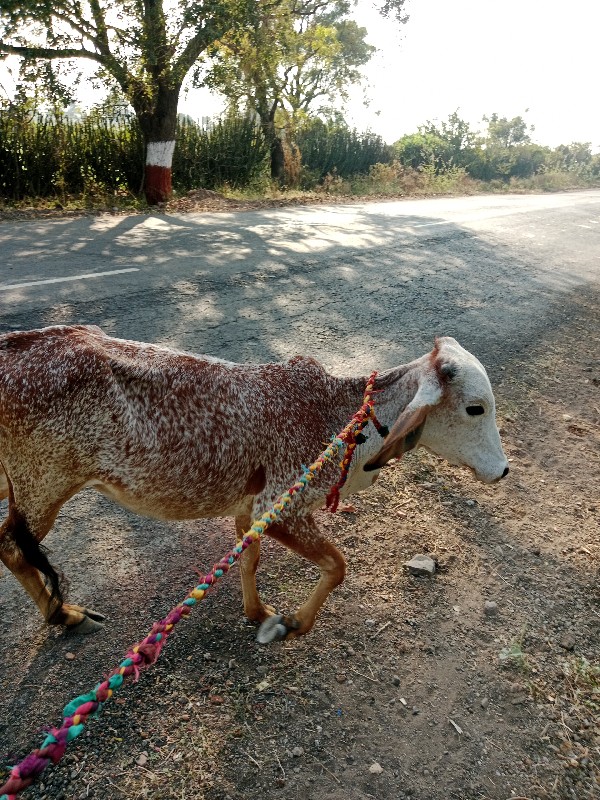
35, 555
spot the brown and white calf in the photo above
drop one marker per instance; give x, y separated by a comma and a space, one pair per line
178, 436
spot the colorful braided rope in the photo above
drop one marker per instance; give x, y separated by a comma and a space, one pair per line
352, 436
146, 652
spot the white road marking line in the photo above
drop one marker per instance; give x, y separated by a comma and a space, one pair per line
429, 224
8, 286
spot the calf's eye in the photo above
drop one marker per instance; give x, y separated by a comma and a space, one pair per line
475, 411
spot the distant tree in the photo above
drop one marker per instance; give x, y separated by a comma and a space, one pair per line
508, 132
299, 56
574, 157
420, 149
144, 47
296, 55
456, 133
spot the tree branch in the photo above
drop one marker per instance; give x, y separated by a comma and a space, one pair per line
49, 52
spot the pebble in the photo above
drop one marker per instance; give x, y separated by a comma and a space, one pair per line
396, 680
567, 642
298, 751
420, 565
490, 608
142, 759
70, 656
375, 768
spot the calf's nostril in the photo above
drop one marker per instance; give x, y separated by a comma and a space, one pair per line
506, 471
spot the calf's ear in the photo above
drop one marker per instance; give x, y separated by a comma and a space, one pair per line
407, 429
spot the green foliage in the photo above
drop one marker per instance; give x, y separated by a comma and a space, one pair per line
394, 179
460, 141
142, 48
336, 148
507, 132
575, 157
295, 56
424, 149
548, 181
229, 151
53, 156
495, 162
503, 153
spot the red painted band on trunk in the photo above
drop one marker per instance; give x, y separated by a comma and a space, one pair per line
157, 184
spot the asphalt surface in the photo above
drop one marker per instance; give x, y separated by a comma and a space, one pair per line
359, 286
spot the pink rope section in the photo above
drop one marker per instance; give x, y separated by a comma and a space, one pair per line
352, 436
78, 711
143, 654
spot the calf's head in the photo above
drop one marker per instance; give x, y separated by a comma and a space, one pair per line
453, 414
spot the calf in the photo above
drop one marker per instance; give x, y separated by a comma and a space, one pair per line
178, 436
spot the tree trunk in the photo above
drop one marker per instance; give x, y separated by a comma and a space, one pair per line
159, 127
277, 159
158, 184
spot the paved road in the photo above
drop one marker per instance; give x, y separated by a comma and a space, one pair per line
359, 286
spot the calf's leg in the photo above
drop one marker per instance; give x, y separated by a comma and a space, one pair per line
21, 553
302, 535
254, 608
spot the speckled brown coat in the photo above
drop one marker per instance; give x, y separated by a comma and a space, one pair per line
176, 436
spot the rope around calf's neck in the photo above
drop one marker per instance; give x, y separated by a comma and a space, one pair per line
146, 652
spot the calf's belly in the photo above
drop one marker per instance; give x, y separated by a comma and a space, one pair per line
152, 501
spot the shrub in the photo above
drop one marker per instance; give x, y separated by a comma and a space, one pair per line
417, 150
328, 149
228, 151
54, 156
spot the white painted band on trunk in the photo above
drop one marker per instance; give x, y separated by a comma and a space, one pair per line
160, 154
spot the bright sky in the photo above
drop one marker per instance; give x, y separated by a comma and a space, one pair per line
484, 57
479, 57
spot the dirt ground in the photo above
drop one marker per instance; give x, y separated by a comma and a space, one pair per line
196, 201
408, 687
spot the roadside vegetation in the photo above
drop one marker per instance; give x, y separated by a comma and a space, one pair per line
96, 160
284, 70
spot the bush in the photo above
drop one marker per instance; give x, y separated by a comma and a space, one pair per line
417, 150
395, 179
503, 163
228, 151
336, 149
54, 156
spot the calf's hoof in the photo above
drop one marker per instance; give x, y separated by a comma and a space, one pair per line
276, 628
87, 625
95, 615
